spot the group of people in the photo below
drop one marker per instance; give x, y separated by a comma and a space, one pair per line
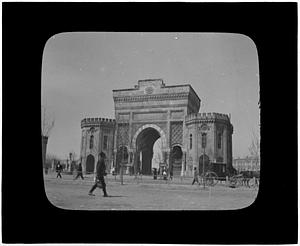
164, 173
100, 173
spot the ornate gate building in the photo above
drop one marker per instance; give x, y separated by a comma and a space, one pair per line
151, 111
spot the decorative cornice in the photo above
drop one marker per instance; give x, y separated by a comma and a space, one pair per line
156, 97
151, 106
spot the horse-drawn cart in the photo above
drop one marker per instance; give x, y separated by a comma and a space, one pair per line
236, 180
209, 178
245, 178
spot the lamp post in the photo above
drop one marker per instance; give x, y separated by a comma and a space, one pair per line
70, 165
121, 173
203, 163
203, 174
122, 163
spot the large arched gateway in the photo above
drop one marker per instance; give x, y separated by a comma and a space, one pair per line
151, 111
142, 143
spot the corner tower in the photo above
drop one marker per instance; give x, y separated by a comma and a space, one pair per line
210, 142
97, 135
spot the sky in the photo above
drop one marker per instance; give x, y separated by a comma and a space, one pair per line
80, 70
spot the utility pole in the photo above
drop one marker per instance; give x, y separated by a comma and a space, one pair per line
123, 152
121, 165
203, 174
203, 147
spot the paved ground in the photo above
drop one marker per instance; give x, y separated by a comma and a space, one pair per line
144, 194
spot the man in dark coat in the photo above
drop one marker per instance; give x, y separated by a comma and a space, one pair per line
79, 171
100, 173
58, 170
196, 174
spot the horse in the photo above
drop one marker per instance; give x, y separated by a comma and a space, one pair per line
248, 175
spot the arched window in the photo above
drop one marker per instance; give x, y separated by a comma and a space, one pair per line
91, 142
191, 141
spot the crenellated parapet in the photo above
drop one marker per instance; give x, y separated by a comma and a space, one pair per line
207, 118
89, 122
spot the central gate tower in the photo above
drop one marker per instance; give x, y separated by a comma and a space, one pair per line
147, 112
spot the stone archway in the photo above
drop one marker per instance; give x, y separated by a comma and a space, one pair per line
142, 143
90, 164
157, 128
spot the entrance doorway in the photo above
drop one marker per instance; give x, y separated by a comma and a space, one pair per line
176, 160
90, 164
144, 150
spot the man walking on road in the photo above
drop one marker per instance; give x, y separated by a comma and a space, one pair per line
100, 173
58, 170
195, 176
79, 172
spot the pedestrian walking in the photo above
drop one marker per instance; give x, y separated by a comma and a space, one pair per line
58, 170
171, 173
196, 174
79, 171
164, 173
100, 173
154, 173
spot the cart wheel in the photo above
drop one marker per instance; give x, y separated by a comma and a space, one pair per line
211, 178
240, 181
251, 182
233, 181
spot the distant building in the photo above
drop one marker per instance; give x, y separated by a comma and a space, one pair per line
246, 164
151, 111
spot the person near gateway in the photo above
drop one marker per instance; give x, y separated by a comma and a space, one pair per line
171, 173
58, 170
100, 173
79, 172
196, 174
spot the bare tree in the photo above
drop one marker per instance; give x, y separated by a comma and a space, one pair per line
47, 122
47, 125
254, 148
50, 158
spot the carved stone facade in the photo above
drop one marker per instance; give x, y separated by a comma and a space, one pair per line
152, 110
